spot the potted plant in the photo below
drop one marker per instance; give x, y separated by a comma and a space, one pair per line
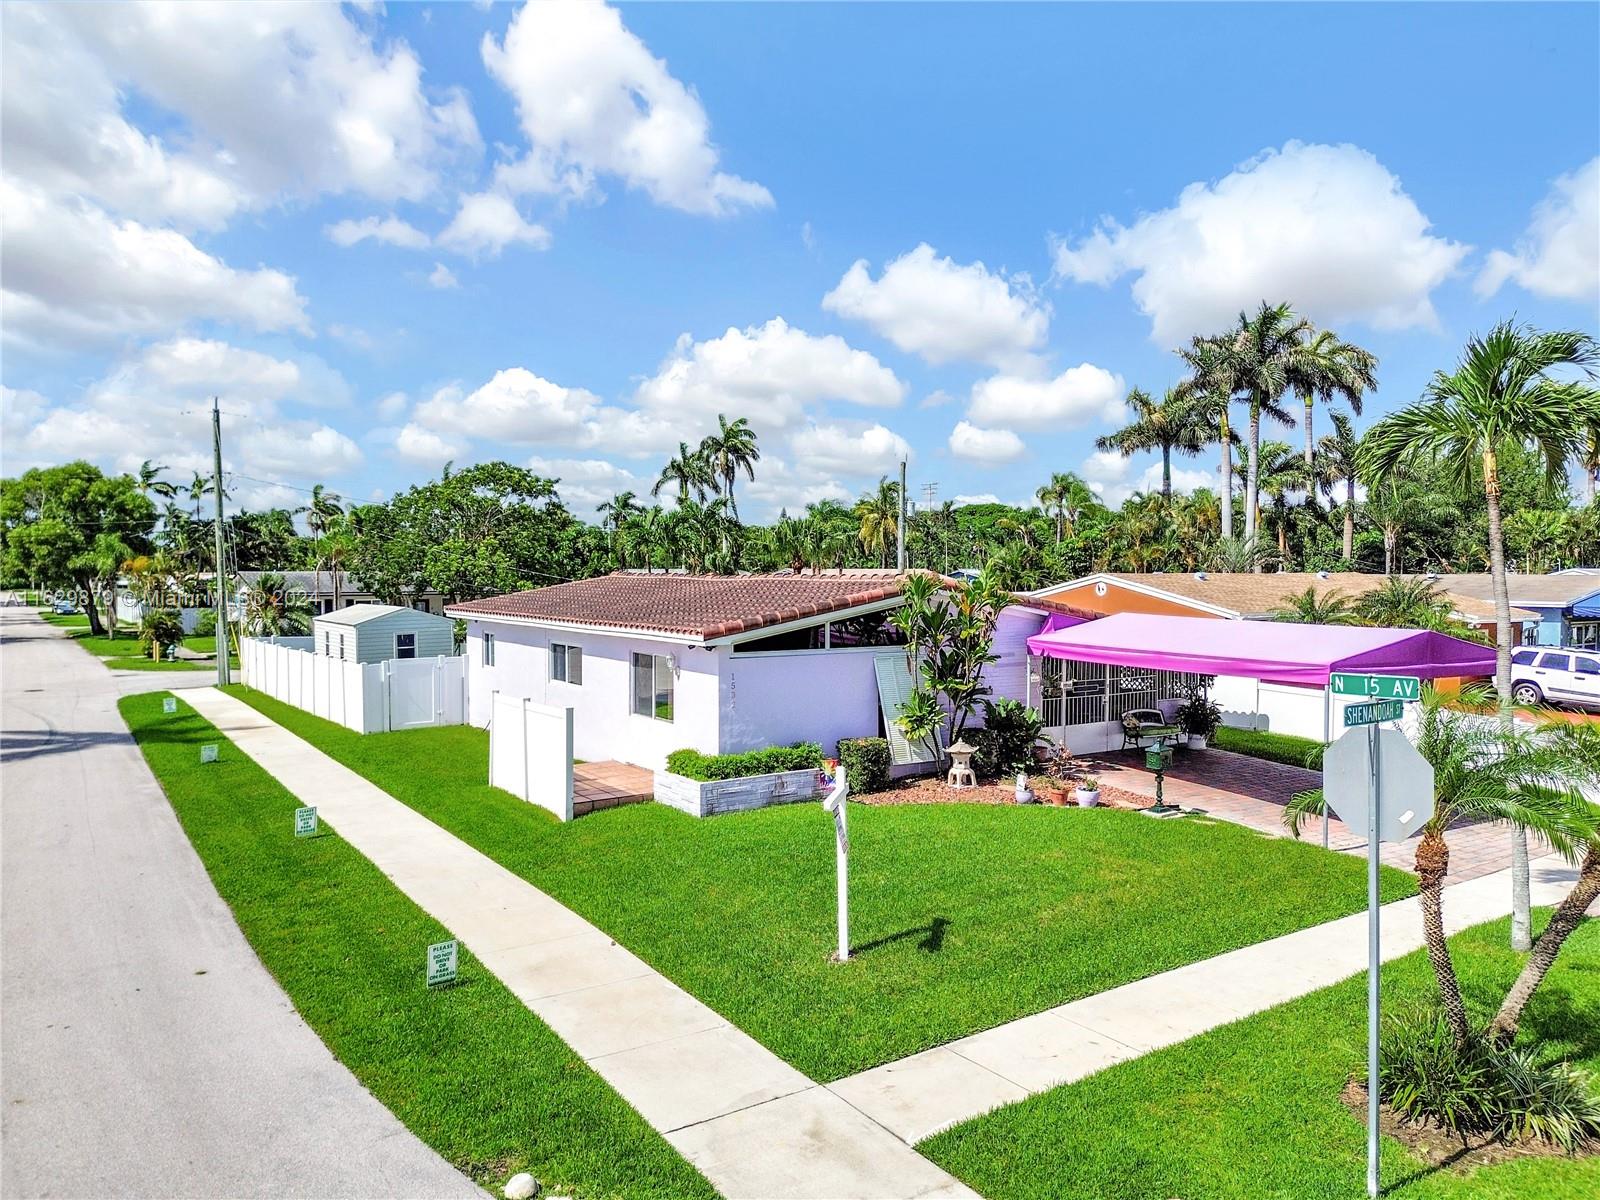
1199, 718
1088, 792
1059, 770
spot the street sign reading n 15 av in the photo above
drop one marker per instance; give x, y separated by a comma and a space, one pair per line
1374, 713
1376, 687
1404, 779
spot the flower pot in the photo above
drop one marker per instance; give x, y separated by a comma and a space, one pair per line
1088, 797
1197, 741
1056, 795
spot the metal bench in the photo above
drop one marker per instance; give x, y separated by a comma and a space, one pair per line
1141, 723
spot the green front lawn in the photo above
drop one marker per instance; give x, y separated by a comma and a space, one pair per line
467, 1068
1251, 1110
963, 916
122, 653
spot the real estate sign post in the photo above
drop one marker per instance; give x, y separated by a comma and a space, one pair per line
834, 803
1376, 777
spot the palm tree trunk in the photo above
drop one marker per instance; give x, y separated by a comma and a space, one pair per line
1252, 474
1521, 920
1226, 489
1568, 916
1166, 474
1433, 863
1310, 443
1349, 518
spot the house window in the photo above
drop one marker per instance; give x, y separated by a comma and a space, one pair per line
566, 664
405, 645
1584, 635
488, 649
652, 686
327, 642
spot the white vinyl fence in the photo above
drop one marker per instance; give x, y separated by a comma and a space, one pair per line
530, 752
402, 693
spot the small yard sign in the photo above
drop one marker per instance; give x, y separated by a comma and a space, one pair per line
208, 752
1374, 713
169, 705
442, 958
1376, 687
305, 822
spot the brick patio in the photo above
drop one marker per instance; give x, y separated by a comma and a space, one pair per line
607, 784
1253, 792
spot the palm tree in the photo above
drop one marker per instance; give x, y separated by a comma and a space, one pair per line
1335, 370
273, 610
614, 514
150, 483
1500, 397
320, 512
1310, 607
1232, 555
689, 471
1482, 772
727, 452
1209, 388
1337, 451
1404, 602
199, 488
879, 516
1280, 473
1168, 426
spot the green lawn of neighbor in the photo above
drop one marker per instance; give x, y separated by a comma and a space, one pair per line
121, 653
962, 916
468, 1068
1251, 1110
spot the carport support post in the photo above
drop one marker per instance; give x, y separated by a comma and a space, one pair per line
1372, 961
1327, 736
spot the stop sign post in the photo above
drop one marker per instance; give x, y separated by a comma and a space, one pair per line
1376, 777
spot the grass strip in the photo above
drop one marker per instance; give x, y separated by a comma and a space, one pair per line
1274, 747
468, 1068
962, 916
1252, 1109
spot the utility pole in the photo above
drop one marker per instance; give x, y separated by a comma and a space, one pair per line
220, 582
900, 525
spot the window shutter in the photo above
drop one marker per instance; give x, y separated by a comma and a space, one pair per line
894, 689
575, 665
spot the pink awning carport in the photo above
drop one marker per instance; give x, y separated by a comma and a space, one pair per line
1272, 651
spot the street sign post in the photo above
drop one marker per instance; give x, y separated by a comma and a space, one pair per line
1373, 712
1376, 777
1376, 687
305, 822
834, 803
442, 961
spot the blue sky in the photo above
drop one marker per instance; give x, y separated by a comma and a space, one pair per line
569, 236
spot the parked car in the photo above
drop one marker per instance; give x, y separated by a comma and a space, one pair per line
1556, 676
64, 608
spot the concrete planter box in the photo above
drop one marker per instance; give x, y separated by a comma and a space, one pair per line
736, 795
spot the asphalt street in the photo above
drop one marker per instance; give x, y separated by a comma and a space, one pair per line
144, 1050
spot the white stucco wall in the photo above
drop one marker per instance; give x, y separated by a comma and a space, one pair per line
604, 725
1008, 678
802, 696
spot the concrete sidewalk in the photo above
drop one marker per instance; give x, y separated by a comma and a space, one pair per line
919, 1095
752, 1124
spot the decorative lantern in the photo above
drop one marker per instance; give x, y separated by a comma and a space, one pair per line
961, 774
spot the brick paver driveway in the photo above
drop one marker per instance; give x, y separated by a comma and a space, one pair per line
1253, 792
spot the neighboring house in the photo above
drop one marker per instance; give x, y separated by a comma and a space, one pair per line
324, 592
378, 632
1250, 597
653, 663
1565, 605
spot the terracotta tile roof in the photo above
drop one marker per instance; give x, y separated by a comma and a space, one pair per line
702, 606
1252, 595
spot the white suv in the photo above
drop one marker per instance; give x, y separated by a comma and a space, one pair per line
1556, 676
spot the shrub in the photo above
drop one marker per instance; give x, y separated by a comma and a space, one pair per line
1200, 716
160, 627
206, 624
866, 763
1005, 743
691, 764
1275, 747
1483, 1086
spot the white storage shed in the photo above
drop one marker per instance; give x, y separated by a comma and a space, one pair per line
378, 632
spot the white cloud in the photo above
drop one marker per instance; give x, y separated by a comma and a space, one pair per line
1559, 254
73, 274
943, 311
1076, 397
486, 223
594, 101
1326, 228
779, 486
425, 447
270, 99
981, 498
391, 231
515, 406
442, 277
586, 482
853, 448
989, 446
1111, 477
393, 405
299, 449
769, 373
